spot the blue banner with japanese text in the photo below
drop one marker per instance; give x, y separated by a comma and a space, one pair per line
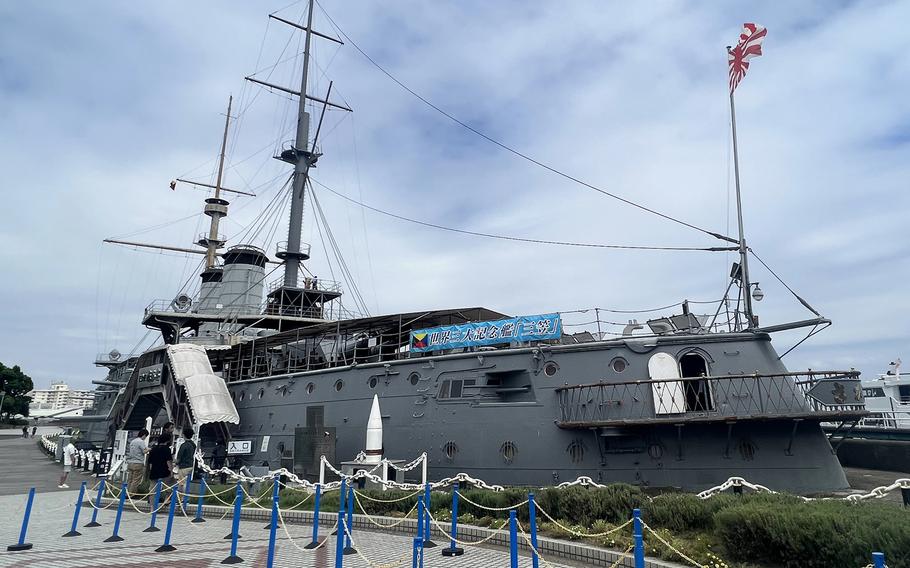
474, 334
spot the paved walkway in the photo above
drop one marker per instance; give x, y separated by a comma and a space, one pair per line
198, 545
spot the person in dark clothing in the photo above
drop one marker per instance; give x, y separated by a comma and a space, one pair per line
161, 463
219, 456
186, 456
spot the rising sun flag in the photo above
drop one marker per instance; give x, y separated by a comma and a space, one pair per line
749, 46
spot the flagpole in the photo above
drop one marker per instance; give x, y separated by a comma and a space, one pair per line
743, 250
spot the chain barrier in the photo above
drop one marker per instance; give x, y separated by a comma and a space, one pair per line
463, 543
298, 547
877, 493
533, 549
394, 564
400, 499
385, 526
479, 506
410, 465
581, 534
678, 552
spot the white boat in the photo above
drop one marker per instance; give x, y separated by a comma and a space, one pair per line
888, 399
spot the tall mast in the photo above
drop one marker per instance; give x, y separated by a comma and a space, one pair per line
216, 208
743, 250
305, 159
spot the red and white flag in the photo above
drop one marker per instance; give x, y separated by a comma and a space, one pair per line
749, 46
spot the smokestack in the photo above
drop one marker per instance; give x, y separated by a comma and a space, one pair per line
374, 434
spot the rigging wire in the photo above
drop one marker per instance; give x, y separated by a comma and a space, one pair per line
519, 239
789, 289
510, 149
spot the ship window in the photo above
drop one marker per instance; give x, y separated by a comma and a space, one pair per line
444, 390
456, 389
414, 378
576, 451
550, 368
339, 384
261, 393
373, 382
875, 392
618, 364
450, 449
310, 387
242, 396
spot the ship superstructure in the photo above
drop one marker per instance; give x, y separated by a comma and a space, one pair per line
688, 402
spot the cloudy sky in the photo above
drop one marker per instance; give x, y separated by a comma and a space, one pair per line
103, 103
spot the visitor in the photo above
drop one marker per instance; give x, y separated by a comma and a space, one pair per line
135, 460
69, 455
25, 431
161, 463
186, 456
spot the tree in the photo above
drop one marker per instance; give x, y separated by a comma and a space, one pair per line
15, 384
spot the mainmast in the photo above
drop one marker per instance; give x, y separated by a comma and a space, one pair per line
743, 249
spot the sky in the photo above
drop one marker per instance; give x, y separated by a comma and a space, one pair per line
103, 103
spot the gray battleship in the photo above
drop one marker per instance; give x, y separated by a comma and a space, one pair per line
677, 401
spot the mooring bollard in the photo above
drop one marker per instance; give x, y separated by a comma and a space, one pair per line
316, 504
155, 502
532, 519
235, 524
115, 537
270, 561
513, 539
427, 543
453, 550
235, 529
199, 518
166, 547
22, 545
878, 559
94, 522
73, 531
339, 538
348, 547
638, 539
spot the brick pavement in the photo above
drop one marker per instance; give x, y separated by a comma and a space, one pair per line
198, 545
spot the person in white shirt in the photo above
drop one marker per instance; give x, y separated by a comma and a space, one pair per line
135, 460
69, 457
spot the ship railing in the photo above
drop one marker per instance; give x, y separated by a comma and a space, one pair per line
309, 283
886, 420
721, 398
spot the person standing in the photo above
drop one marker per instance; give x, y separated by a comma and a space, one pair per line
34, 429
25, 431
186, 456
135, 460
161, 463
69, 456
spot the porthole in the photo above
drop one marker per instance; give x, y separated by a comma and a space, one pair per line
373, 382
450, 450
310, 387
283, 390
508, 451
261, 393
655, 451
550, 368
618, 364
339, 384
414, 378
242, 396
576, 451
747, 450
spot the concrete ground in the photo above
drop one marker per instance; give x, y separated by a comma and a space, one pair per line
23, 465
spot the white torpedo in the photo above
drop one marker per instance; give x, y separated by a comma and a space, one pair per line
374, 434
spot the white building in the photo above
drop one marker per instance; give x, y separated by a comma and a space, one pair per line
59, 397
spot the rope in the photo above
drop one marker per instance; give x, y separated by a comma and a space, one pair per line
394, 564
525, 502
534, 550
385, 526
576, 533
368, 498
463, 543
291, 539
680, 553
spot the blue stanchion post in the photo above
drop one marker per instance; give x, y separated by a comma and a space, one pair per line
416, 550
420, 519
94, 522
167, 547
513, 539
453, 550
156, 500
638, 539
186, 491
348, 547
73, 531
22, 545
115, 536
427, 543
878, 559
199, 518
339, 538
270, 561
342, 501
532, 519
235, 528
317, 501
235, 525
